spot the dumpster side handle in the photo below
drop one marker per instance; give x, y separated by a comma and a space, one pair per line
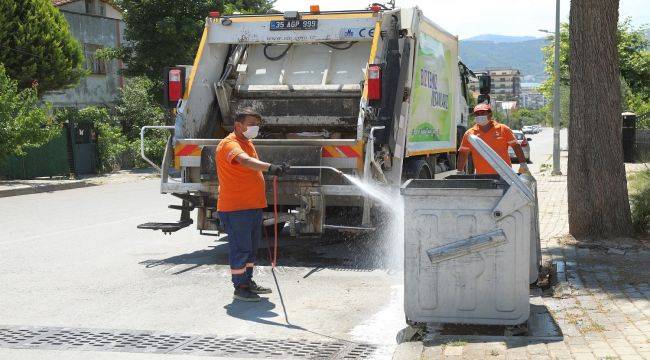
463, 247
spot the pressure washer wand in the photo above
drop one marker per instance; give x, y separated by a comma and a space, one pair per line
320, 167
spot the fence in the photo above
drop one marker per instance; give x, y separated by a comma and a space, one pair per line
50, 159
642, 142
73, 151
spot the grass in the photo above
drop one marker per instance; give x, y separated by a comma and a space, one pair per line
591, 327
640, 201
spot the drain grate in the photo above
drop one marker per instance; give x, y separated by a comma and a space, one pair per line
156, 342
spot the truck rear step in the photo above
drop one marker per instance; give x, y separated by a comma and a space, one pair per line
166, 228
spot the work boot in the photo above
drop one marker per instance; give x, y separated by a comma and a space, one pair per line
245, 294
256, 289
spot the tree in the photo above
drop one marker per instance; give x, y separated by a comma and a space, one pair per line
24, 122
598, 198
634, 64
36, 45
137, 107
167, 32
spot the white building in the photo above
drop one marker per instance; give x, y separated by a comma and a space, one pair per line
96, 24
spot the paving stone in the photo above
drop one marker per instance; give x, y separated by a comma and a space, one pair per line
579, 349
432, 352
453, 351
632, 357
535, 349
584, 356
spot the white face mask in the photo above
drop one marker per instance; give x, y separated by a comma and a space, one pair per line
481, 120
251, 132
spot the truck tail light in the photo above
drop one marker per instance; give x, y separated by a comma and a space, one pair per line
374, 82
314, 9
174, 85
524, 143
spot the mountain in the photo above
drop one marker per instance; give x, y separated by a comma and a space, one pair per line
500, 38
525, 55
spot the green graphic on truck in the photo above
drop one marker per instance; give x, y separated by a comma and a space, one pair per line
432, 105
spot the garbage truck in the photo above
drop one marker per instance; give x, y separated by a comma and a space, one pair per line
379, 94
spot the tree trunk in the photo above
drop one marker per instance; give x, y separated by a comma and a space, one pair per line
597, 188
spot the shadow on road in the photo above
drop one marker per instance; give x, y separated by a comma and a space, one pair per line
332, 251
258, 312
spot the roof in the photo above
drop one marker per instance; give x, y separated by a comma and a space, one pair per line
64, 2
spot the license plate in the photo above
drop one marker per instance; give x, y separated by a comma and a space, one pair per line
294, 25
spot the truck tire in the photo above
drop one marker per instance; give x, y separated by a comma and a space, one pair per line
417, 169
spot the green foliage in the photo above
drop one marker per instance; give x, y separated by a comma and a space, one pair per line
24, 122
113, 148
640, 201
634, 57
118, 130
634, 63
167, 32
137, 106
522, 117
37, 46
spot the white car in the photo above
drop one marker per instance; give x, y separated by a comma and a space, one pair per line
523, 142
528, 129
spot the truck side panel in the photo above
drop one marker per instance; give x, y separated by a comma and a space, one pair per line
434, 96
196, 109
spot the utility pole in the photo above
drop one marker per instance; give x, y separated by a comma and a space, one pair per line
556, 95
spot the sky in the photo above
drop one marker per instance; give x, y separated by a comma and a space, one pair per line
467, 18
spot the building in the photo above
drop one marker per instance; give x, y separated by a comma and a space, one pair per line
530, 97
96, 24
506, 83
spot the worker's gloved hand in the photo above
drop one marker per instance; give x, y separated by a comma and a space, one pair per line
279, 170
523, 168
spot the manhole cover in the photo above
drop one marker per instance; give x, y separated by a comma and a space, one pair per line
169, 343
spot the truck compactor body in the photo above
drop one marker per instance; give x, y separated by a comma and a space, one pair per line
378, 93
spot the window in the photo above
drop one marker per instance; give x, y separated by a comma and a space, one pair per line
90, 8
95, 65
102, 8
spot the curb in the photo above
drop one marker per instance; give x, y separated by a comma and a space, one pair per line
35, 189
409, 351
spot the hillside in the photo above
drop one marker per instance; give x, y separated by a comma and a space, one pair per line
523, 55
500, 38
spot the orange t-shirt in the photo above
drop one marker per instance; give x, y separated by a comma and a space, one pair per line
240, 188
499, 137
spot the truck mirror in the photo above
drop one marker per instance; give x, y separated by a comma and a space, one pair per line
483, 98
484, 84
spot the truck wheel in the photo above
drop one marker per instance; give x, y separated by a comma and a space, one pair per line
417, 169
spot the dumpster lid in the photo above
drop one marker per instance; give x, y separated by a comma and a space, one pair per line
501, 167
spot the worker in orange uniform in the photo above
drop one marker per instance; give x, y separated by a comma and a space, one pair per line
241, 200
498, 136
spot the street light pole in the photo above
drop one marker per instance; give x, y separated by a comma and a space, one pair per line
556, 95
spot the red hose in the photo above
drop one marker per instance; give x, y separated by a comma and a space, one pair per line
275, 226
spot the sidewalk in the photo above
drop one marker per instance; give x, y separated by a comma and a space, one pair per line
24, 187
600, 302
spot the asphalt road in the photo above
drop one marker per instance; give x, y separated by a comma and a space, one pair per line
75, 259
541, 145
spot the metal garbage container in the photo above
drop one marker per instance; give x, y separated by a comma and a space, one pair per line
628, 136
467, 256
